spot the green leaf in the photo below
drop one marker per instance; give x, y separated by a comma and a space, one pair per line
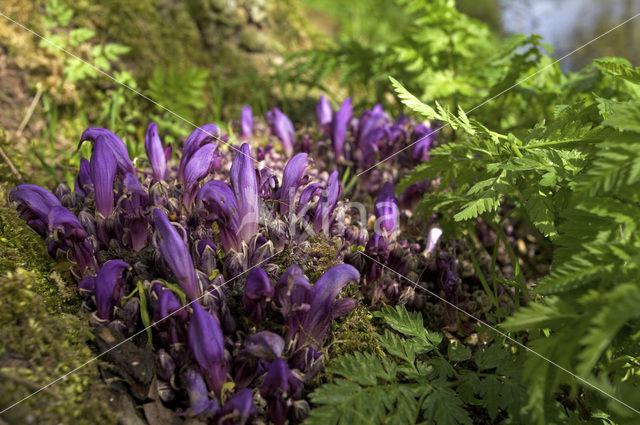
620, 68
408, 323
443, 407
413, 102
458, 352
624, 117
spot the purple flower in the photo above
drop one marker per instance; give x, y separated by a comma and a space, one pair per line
325, 115
84, 184
282, 127
175, 253
69, 236
239, 410
246, 123
221, 203
252, 361
414, 193
327, 203
245, 188
166, 305
258, 291
199, 165
166, 365
204, 134
106, 286
340, 125
293, 293
34, 205
369, 123
114, 144
309, 192
155, 152
265, 345
423, 137
386, 210
291, 180
324, 307
103, 167
278, 385
199, 402
207, 344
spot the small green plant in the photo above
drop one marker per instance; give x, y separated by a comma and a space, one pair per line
57, 20
181, 91
417, 378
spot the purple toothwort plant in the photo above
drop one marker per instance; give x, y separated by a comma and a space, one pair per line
196, 245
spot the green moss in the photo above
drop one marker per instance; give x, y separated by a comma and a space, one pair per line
355, 333
39, 347
43, 336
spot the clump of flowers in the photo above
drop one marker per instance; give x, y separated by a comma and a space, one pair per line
215, 250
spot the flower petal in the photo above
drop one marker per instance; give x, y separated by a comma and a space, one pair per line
282, 127
258, 289
84, 184
199, 164
103, 167
246, 123
155, 152
245, 187
202, 134
176, 254
386, 210
265, 345
324, 112
293, 172
106, 284
340, 125
115, 145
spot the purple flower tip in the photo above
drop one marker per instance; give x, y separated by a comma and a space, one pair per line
106, 286
240, 409
207, 344
291, 179
176, 254
324, 112
199, 402
246, 123
103, 166
386, 209
282, 127
265, 345
258, 290
340, 125
245, 187
155, 152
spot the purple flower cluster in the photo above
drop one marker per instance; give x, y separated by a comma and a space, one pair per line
201, 244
